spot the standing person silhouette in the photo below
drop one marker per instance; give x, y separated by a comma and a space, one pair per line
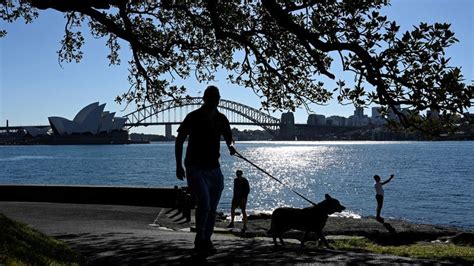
204, 126
239, 199
379, 194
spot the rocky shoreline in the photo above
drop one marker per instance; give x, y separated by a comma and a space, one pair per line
392, 232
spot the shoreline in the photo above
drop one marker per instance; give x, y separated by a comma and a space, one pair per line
160, 198
351, 215
405, 232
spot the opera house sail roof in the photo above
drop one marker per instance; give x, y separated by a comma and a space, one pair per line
90, 120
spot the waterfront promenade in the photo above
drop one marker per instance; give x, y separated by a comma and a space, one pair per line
116, 234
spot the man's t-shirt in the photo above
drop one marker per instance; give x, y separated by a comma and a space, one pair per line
241, 188
204, 137
378, 188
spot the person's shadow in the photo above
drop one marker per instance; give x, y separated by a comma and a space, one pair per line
389, 227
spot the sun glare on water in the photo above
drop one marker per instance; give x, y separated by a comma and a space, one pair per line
295, 166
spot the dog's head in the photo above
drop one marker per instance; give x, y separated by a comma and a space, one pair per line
333, 205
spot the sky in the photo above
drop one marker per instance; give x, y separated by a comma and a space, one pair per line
34, 86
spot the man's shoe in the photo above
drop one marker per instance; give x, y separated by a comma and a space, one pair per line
231, 225
211, 250
205, 248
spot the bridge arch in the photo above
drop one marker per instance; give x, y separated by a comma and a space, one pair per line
246, 115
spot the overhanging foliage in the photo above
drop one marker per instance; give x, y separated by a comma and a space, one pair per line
283, 50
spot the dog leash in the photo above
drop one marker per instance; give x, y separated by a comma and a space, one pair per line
237, 154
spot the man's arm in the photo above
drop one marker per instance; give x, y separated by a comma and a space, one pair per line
388, 180
227, 134
247, 187
178, 153
230, 146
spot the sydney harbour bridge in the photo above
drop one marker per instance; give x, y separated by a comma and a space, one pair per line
172, 113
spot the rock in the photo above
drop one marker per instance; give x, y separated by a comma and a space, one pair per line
264, 216
463, 238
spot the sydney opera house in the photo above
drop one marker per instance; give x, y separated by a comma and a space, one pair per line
91, 125
91, 120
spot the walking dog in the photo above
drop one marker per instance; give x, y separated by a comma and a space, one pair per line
311, 219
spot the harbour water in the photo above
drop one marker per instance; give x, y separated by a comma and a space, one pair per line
434, 181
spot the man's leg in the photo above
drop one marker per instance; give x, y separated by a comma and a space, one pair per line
379, 207
215, 181
232, 216
197, 183
243, 207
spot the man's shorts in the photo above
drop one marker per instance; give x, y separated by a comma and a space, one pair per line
379, 198
239, 203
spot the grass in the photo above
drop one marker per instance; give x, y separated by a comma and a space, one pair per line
431, 251
22, 245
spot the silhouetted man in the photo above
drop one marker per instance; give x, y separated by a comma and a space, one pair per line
239, 199
204, 126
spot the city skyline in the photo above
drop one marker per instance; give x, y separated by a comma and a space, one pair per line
32, 79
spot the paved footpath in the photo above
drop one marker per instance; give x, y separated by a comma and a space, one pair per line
121, 235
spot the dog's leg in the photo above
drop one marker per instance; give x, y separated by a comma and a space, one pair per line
305, 237
325, 242
275, 240
317, 238
281, 239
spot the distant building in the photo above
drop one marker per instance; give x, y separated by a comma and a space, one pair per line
391, 113
336, 120
358, 119
316, 120
355, 121
376, 113
35, 131
287, 127
377, 118
311, 119
287, 118
359, 112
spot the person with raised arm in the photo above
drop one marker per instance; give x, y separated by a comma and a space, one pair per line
379, 194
